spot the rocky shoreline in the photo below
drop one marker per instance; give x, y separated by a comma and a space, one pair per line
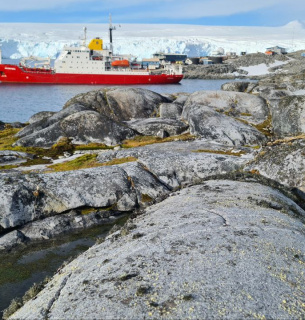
215, 185
238, 68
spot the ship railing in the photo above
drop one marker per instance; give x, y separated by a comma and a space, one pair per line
38, 70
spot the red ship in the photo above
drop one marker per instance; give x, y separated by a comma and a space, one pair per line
90, 64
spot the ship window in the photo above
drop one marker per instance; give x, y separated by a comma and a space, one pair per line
69, 52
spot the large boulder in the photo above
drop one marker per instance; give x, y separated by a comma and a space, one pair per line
96, 116
121, 103
90, 126
27, 198
288, 117
284, 163
82, 127
223, 249
170, 110
249, 108
237, 86
48, 121
212, 125
41, 116
181, 163
45, 137
152, 126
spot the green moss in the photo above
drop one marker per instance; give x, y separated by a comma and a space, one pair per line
92, 146
139, 141
253, 147
227, 152
15, 305
63, 145
34, 290
265, 127
8, 167
87, 161
7, 138
88, 210
146, 198
82, 162
119, 161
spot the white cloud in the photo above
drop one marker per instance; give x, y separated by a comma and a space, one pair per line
208, 8
178, 9
26, 5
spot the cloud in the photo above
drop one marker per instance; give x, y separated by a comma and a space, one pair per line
29, 5
180, 9
138, 10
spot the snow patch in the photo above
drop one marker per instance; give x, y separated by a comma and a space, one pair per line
262, 69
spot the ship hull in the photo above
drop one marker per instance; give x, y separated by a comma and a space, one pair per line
14, 74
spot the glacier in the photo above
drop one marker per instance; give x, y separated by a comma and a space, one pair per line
19, 40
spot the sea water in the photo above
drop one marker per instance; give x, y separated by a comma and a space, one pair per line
18, 102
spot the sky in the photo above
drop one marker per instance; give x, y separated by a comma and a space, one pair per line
271, 13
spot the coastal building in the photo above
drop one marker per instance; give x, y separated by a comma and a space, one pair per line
171, 57
205, 61
276, 50
231, 55
194, 60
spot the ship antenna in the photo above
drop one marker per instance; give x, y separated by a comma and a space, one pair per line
111, 27
85, 36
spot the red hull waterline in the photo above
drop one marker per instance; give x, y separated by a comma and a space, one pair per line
14, 74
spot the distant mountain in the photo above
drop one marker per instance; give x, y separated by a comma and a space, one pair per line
296, 24
24, 39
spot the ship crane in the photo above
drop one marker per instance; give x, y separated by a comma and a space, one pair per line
43, 62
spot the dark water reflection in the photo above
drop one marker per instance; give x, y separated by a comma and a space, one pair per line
20, 269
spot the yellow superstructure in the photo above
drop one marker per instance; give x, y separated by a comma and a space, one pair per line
96, 44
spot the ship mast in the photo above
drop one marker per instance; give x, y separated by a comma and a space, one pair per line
85, 37
110, 33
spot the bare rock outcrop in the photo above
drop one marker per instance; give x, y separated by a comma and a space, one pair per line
212, 125
221, 249
96, 116
250, 108
283, 162
288, 116
121, 104
151, 126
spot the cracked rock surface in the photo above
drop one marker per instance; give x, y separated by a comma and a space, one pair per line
42, 201
221, 249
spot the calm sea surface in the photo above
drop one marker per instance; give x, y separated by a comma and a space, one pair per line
19, 102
